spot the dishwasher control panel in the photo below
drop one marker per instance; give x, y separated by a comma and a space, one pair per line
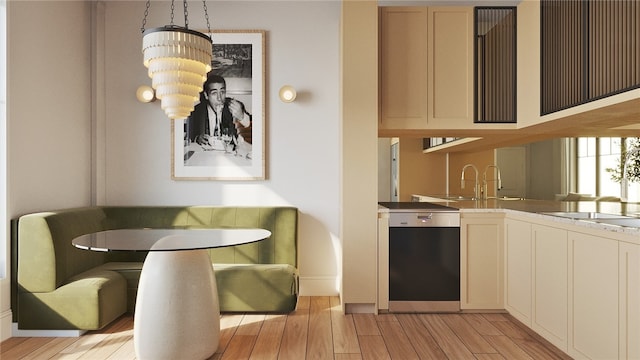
424, 219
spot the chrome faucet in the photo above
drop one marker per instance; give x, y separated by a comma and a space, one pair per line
498, 179
624, 182
462, 181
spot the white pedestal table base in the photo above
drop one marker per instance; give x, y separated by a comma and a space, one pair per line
177, 315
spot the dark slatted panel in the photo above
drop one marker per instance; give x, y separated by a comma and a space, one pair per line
563, 43
614, 38
590, 49
495, 64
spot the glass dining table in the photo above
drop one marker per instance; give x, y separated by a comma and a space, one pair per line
177, 315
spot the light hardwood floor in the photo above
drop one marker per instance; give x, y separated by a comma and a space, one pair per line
319, 330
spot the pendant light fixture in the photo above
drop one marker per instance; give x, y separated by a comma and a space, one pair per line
178, 60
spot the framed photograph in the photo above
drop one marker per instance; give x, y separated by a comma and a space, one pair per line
224, 137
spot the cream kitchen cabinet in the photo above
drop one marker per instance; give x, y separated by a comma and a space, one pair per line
426, 68
481, 260
518, 270
563, 285
629, 286
549, 316
573, 284
537, 278
593, 297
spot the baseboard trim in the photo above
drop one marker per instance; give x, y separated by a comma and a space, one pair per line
44, 333
353, 308
5, 325
318, 286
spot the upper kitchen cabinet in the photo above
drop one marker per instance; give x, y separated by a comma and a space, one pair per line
426, 68
589, 74
495, 58
403, 67
590, 50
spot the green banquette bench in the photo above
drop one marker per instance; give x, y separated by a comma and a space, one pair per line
56, 286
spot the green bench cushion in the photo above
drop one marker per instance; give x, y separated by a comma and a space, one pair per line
88, 301
130, 271
241, 287
256, 287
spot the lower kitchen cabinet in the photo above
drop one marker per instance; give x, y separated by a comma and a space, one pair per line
549, 316
629, 287
518, 272
593, 297
383, 260
481, 261
536, 276
577, 288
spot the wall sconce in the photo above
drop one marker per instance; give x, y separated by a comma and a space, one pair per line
287, 93
145, 94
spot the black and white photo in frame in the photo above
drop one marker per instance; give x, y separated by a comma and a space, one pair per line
224, 136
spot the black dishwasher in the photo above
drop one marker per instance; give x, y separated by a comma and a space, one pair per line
424, 258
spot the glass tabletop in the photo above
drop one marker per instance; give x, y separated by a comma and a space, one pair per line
167, 239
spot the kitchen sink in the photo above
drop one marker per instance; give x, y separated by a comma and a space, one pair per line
587, 215
462, 198
598, 217
626, 222
507, 198
459, 198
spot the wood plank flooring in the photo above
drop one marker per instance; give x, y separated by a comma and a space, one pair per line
318, 329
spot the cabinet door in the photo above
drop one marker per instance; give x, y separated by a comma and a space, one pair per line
629, 277
550, 280
403, 67
481, 275
593, 297
450, 74
383, 260
426, 68
518, 270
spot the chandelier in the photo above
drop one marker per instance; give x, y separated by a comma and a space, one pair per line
178, 60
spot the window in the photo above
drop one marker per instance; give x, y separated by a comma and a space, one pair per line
594, 157
586, 150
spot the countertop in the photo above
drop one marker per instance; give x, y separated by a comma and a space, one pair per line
537, 208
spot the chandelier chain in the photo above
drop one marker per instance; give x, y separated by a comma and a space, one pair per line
146, 13
172, 11
206, 15
186, 14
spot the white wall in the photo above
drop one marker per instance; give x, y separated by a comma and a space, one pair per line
303, 158
48, 111
48, 99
